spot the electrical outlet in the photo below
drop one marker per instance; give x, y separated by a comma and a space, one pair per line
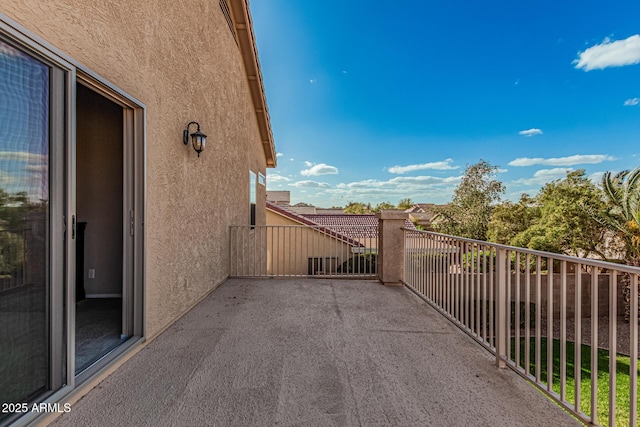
92, 273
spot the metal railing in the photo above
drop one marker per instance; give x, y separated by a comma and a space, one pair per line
556, 320
295, 251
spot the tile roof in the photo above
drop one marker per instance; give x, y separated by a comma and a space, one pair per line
355, 226
331, 231
350, 220
348, 226
343, 220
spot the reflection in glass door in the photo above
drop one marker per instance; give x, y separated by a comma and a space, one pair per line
25, 292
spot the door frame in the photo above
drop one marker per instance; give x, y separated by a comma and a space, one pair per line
133, 203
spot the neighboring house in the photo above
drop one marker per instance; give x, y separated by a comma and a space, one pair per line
302, 208
329, 211
283, 199
318, 249
362, 228
94, 99
279, 197
424, 215
321, 243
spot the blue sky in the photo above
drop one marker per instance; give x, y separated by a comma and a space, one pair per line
378, 101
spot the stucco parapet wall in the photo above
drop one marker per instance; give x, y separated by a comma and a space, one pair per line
391, 215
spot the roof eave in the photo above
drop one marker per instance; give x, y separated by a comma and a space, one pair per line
247, 44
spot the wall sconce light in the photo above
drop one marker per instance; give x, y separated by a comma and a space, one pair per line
198, 139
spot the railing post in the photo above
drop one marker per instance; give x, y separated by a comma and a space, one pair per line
391, 247
501, 308
390, 261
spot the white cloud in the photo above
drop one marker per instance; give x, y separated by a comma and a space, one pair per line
308, 164
596, 177
578, 159
419, 188
610, 54
7, 179
277, 178
631, 102
37, 168
310, 184
23, 156
531, 132
543, 176
393, 183
319, 169
279, 154
443, 165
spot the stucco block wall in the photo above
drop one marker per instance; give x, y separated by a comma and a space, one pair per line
181, 61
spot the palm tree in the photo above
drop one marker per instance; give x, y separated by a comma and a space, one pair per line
622, 217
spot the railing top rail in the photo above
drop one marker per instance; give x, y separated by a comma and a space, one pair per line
305, 226
584, 261
350, 234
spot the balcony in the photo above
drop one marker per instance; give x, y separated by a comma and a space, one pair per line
313, 352
466, 333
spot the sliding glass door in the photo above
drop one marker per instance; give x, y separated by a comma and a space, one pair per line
31, 263
71, 215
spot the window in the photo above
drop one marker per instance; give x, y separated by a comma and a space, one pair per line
252, 198
320, 266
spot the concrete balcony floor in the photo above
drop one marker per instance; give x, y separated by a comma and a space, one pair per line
313, 352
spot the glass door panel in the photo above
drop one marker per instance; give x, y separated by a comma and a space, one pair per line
24, 225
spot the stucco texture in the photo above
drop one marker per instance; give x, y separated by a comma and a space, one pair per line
181, 61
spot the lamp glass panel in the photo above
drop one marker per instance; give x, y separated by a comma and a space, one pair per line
196, 142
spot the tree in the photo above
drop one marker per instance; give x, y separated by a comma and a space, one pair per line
405, 204
357, 208
563, 225
383, 206
13, 218
470, 210
13, 208
510, 219
622, 211
621, 216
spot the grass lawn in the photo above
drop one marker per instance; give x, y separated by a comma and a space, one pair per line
622, 378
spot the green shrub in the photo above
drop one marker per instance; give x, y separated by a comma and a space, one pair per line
360, 264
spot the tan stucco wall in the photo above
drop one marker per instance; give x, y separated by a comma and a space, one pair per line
289, 248
180, 60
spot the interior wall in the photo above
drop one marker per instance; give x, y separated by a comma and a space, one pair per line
99, 133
